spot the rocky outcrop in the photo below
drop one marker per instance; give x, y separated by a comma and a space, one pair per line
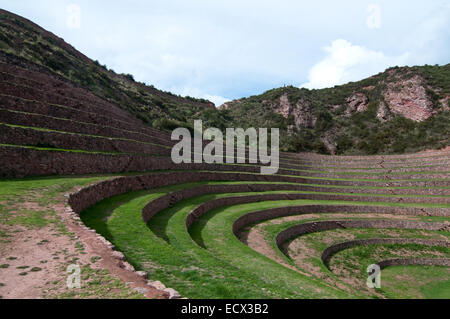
301, 111
330, 144
409, 99
285, 107
357, 103
445, 103
227, 105
383, 113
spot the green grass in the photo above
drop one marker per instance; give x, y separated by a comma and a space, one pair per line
43, 192
436, 290
372, 254
166, 257
356, 259
165, 246
430, 282
80, 134
222, 219
47, 188
208, 261
95, 284
273, 227
340, 172
29, 219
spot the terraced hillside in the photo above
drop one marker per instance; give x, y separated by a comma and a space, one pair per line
229, 234
223, 231
22, 38
400, 110
85, 182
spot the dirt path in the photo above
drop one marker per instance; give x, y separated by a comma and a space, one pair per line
34, 258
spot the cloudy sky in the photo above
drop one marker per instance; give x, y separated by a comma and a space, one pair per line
227, 49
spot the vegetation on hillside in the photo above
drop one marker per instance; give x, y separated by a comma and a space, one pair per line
333, 129
21, 38
358, 132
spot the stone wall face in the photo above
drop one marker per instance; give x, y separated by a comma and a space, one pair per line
442, 165
165, 201
355, 158
260, 216
95, 193
34, 93
21, 162
414, 261
296, 210
84, 114
65, 125
330, 251
313, 227
31, 137
130, 142
40, 87
90, 195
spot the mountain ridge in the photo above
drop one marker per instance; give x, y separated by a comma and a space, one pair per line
400, 110
24, 39
414, 98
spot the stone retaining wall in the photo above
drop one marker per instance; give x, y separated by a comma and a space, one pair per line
443, 166
330, 251
66, 125
31, 137
157, 205
55, 92
319, 226
91, 119
414, 261
399, 157
21, 162
63, 112
32, 93
95, 193
263, 215
295, 210
18, 79
83, 113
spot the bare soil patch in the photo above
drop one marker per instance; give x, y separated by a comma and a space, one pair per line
34, 259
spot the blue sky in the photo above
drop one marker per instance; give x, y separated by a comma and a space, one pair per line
227, 49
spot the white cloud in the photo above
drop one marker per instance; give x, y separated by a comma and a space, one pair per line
347, 62
217, 100
429, 39
235, 48
201, 94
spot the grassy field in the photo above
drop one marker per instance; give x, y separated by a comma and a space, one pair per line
208, 260
63, 114
430, 282
196, 262
27, 210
